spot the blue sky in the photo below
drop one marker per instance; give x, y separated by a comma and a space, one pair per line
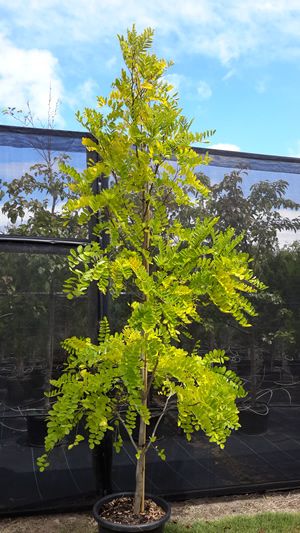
237, 62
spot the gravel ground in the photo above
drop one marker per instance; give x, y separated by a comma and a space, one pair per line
182, 512
213, 508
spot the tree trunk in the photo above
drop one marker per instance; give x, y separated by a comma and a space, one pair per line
139, 497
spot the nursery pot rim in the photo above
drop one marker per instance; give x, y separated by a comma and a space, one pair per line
131, 528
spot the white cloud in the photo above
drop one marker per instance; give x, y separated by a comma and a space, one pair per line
78, 32
229, 74
88, 89
226, 30
189, 87
177, 80
26, 75
111, 62
204, 91
84, 93
226, 146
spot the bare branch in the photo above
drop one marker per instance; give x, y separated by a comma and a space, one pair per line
159, 420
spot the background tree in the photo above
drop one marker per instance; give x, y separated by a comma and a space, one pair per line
284, 276
33, 202
259, 217
31, 284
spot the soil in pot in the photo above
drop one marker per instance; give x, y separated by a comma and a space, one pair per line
115, 513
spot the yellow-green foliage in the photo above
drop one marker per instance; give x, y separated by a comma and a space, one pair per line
140, 133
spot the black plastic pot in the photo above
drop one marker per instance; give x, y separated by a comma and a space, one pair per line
254, 421
104, 526
102, 464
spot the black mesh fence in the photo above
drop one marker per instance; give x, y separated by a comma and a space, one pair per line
257, 195
35, 316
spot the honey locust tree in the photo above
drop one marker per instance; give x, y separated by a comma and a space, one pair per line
139, 129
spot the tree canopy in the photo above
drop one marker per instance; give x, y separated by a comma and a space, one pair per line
139, 131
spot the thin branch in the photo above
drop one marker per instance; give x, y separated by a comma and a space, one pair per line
159, 420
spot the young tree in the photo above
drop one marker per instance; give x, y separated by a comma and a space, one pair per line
138, 131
